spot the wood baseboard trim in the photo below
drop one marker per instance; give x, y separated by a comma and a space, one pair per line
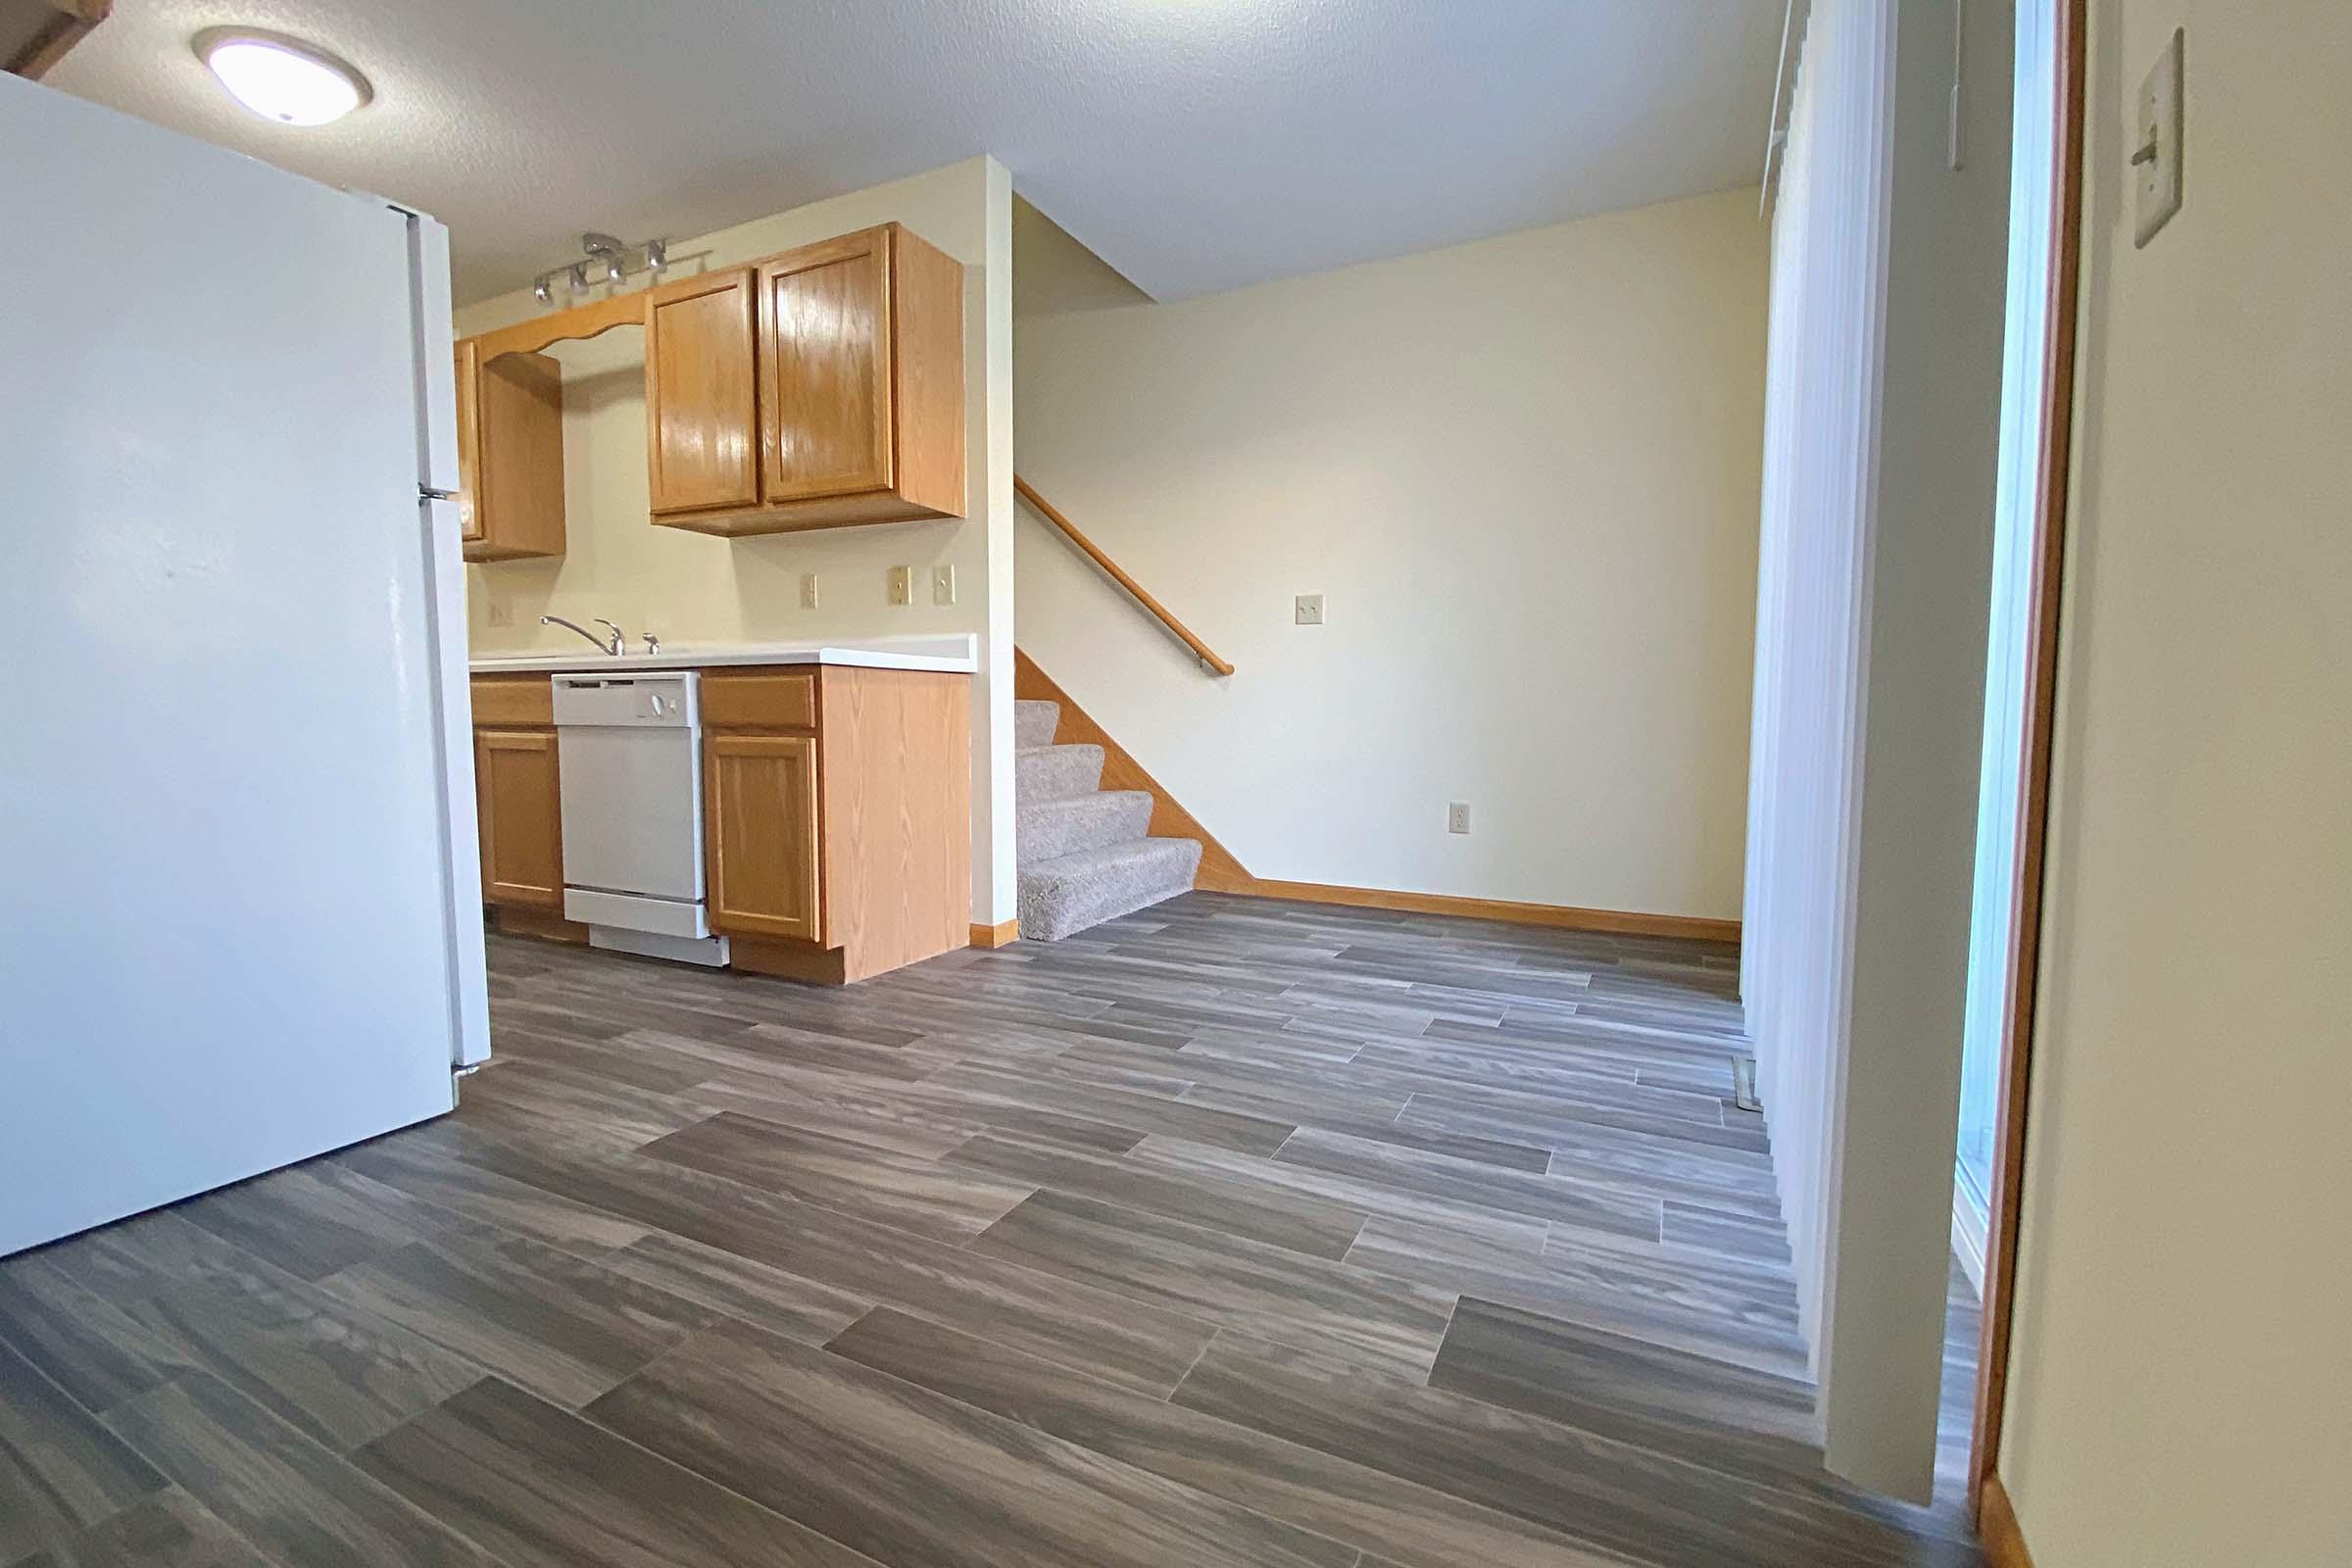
1221, 872
1997, 1530
1001, 935
1559, 917
545, 924
788, 960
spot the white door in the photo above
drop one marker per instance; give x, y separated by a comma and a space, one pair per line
227, 920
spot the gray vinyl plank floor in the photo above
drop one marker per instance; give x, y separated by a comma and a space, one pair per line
1230, 1231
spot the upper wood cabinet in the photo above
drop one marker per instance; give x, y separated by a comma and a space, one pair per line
701, 418
509, 453
856, 405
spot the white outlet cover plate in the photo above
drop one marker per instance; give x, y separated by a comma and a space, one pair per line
807, 590
1307, 609
942, 585
2157, 186
901, 585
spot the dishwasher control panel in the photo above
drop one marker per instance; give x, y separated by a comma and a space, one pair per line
663, 701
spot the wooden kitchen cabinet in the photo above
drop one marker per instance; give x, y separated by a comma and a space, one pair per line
856, 399
509, 453
837, 816
701, 418
762, 851
517, 794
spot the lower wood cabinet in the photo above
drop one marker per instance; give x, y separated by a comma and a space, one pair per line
837, 816
763, 852
518, 793
836, 813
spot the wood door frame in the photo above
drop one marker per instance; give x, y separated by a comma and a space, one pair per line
2048, 555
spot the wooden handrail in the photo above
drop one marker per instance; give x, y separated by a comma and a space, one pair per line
1184, 634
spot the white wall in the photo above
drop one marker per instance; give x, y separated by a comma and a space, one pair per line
1885, 394
1523, 474
690, 587
2180, 1392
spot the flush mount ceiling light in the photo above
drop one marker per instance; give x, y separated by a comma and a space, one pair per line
281, 78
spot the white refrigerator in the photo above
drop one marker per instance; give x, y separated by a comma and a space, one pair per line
240, 911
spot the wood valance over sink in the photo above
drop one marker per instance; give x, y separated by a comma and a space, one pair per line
819, 388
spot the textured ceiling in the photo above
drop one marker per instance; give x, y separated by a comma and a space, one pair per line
1194, 144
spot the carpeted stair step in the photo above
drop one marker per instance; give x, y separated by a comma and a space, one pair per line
1034, 724
1071, 892
1056, 772
1045, 829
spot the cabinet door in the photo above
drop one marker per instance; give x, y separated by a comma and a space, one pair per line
515, 791
825, 369
759, 797
470, 441
701, 419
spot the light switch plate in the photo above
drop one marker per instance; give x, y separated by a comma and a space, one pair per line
2156, 144
1307, 609
942, 585
807, 590
901, 585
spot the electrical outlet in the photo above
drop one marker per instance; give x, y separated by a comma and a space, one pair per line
1458, 817
501, 613
942, 585
901, 585
1307, 609
807, 590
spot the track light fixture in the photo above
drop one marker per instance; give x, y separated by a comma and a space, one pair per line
609, 261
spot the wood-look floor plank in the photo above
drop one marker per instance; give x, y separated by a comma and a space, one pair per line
1223, 1279
563, 1327
908, 1475
291, 1498
1697, 1407
312, 1220
1445, 1178
851, 1106
753, 1293
336, 1371
1113, 1336
533, 1097
424, 1162
1296, 1221
1657, 1295
1370, 1509
1306, 1112
1614, 1496
169, 1530
922, 1196
60, 1470
1196, 1162
84, 1342
1142, 1113
544, 1489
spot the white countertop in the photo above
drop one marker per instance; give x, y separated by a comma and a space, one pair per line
958, 653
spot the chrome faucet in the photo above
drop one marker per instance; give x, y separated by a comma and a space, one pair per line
612, 646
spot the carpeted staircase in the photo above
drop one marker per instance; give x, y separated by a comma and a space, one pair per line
1084, 856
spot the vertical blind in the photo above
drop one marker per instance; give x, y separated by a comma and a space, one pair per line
1819, 430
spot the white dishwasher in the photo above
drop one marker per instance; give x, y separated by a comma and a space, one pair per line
629, 749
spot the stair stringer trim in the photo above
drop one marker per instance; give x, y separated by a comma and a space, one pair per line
1219, 871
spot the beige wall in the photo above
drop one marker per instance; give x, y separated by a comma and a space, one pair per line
2181, 1395
1524, 474
691, 588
